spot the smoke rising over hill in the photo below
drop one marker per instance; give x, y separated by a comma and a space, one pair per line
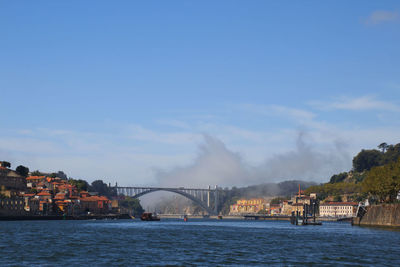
215, 164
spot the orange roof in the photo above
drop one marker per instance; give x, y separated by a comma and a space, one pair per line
94, 198
34, 177
340, 203
44, 193
29, 195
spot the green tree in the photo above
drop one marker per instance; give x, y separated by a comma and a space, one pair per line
392, 154
337, 178
132, 205
337, 198
37, 173
277, 200
6, 164
383, 182
81, 185
59, 174
22, 170
367, 159
102, 188
383, 147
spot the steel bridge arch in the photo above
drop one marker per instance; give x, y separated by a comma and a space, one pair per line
177, 191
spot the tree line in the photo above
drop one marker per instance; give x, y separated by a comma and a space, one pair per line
375, 175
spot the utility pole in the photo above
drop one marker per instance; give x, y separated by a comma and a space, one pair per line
208, 196
216, 199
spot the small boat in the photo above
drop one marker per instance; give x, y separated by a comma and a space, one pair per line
185, 218
148, 216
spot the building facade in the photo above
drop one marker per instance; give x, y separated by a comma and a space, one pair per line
338, 209
244, 206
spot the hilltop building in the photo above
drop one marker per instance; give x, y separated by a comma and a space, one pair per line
10, 181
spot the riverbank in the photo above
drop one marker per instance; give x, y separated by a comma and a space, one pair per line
62, 217
248, 217
387, 215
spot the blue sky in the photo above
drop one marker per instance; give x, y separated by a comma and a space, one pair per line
138, 91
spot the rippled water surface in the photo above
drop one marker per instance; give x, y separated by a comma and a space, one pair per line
197, 242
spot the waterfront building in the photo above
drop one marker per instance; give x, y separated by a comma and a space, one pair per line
95, 204
12, 206
243, 206
338, 209
296, 203
274, 209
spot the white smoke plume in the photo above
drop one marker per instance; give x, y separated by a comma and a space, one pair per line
215, 164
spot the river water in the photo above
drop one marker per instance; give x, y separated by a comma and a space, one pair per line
196, 242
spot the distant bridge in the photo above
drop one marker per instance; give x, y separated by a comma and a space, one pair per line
205, 198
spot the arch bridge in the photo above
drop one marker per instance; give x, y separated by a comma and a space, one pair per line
205, 198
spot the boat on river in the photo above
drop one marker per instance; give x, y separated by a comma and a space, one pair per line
148, 216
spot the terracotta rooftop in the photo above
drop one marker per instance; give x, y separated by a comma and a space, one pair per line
44, 193
94, 198
34, 177
339, 204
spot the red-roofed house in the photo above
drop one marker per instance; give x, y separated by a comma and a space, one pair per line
32, 181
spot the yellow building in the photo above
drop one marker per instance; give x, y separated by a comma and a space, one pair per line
248, 206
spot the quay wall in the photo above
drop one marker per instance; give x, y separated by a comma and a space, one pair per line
380, 215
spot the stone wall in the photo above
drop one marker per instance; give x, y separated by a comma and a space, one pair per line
11, 180
380, 215
12, 206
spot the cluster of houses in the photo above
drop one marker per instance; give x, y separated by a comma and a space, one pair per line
48, 195
295, 204
43, 195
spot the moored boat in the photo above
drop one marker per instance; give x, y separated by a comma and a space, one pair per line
148, 216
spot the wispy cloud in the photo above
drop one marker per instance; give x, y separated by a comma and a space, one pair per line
278, 110
174, 123
357, 104
138, 132
382, 16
